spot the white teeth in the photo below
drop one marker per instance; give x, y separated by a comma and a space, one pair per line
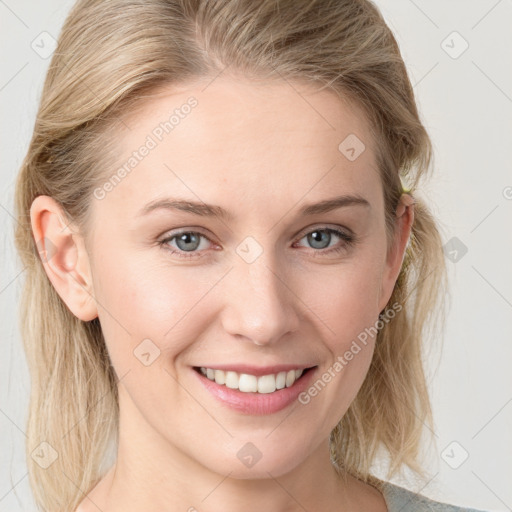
250, 383
281, 380
231, 380
220, 376
266, 384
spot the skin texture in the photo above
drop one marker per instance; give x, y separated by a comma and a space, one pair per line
261, 152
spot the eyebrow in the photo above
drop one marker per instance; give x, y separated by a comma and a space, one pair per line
210, 210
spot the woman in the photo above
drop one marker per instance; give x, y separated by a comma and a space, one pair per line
227, 281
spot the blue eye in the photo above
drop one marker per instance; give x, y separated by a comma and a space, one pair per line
320, 238
186, 242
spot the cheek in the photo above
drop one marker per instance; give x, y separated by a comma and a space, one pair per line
144, 296
348, 308
346, 301
345, 298
139, 299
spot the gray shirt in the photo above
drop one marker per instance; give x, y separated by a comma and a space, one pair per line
399, 499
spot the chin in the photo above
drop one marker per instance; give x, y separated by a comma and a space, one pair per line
250, 463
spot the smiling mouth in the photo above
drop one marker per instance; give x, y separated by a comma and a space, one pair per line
247, 383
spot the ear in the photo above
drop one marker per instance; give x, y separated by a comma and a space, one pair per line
404, 218
64, 257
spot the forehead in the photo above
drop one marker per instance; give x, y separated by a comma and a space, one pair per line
212, 138
238, 106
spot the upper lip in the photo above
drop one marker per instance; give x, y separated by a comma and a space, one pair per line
257, 371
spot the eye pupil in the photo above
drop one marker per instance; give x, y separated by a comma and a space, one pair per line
320, 239
316, 237
186, 237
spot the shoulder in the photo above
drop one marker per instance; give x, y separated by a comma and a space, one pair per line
401, 499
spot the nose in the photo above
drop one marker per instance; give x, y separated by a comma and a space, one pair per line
260, 305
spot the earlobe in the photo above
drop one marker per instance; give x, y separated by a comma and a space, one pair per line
404, 219
63, 256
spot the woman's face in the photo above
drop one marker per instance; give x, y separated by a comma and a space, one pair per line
265, 284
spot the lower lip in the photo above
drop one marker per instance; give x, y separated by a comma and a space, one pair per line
257, 403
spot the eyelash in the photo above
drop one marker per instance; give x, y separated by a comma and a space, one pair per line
348, 239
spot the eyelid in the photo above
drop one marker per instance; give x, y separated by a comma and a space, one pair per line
321, 227
178, 231
346, 235
305, 231
172, 234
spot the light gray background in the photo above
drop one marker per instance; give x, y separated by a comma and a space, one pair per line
466, 104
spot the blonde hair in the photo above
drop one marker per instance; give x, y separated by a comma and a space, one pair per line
110, 56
